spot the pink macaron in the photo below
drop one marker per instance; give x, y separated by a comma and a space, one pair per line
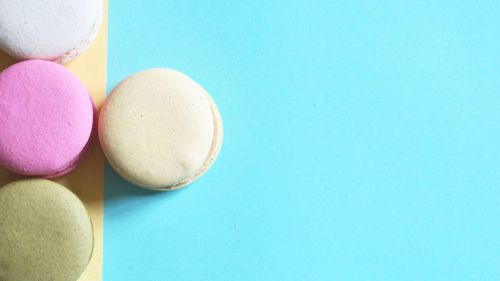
46, 119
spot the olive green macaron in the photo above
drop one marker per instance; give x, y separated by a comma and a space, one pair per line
45, 232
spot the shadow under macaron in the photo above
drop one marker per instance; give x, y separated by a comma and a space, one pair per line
125, 197
5, 60
86, 180
7, 176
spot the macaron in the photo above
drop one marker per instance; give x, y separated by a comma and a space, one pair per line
52, 30
45, 232
160, 130
46, 119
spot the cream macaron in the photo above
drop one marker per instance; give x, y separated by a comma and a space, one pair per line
45, 232
160, 130
52, 30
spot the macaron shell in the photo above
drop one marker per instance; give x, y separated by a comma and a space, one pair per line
51, 30
84, 44
214, 151
76, 161
47, 118
45, 232
157, 128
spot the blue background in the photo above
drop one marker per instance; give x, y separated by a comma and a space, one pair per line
362, 142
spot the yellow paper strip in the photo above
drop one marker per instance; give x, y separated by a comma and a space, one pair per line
87, 181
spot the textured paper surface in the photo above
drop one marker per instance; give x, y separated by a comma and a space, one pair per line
87, 180
361, 142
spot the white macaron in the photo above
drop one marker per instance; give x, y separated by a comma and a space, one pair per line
52, 30
160, 130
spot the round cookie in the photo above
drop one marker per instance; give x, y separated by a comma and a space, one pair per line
46, 118
52, 30
45, 232
160, 130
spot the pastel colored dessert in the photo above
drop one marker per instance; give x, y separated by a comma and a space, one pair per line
46, 118
52, 30
45, 232
160, 130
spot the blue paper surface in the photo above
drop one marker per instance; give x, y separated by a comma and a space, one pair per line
362, 142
